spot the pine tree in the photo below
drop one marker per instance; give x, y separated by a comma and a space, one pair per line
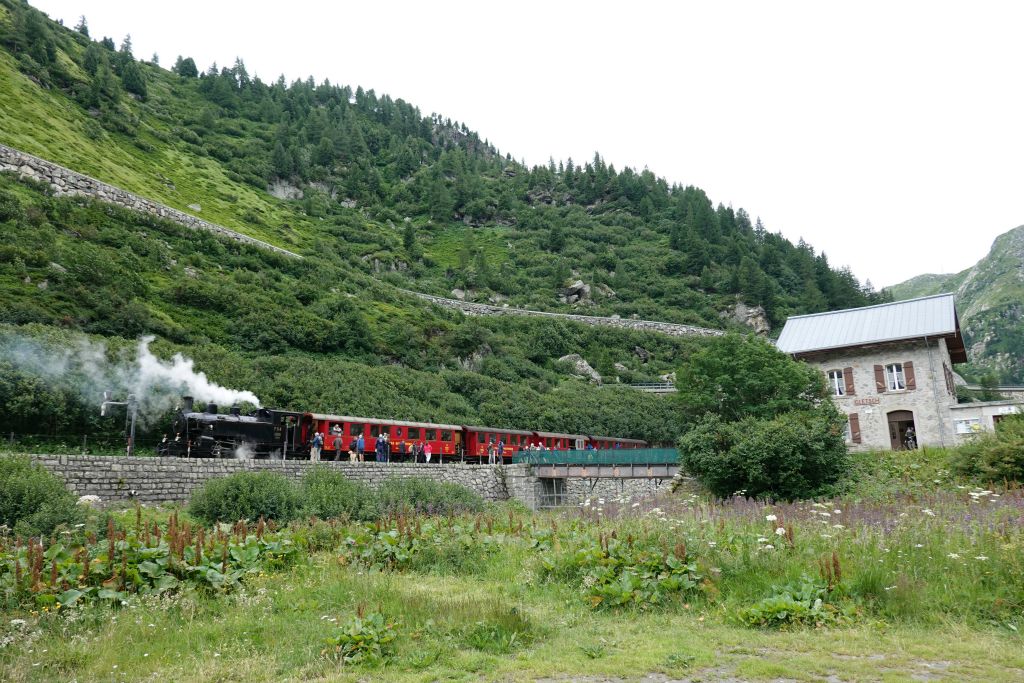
82, 26
133, 79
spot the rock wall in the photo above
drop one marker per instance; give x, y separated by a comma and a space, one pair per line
164, 480
64, 181
673, 329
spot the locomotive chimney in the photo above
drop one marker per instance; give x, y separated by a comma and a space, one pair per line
211, 408
186, 404
235, 410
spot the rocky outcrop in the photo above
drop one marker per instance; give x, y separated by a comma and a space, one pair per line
64, 181
574, 293
753, 317
671, 329
581, 367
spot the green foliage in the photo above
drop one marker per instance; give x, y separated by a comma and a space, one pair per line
329, 494
248, 496
802, 603
796, 455
364, 639
426, 496
997, 457
146, 561
737, 376
34, 502
616, 574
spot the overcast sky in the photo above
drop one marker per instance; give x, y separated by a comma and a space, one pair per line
887, 134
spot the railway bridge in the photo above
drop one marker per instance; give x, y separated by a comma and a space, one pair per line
565, 478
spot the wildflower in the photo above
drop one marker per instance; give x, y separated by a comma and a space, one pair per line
768, 547
780, 531
838, 526
953, 556
928, 512
17, 622
826, 514
636, 505
889, 588
771, 518
981, 557
762, 539
837, 512
919, 545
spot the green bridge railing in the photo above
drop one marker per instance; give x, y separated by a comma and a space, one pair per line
617, 456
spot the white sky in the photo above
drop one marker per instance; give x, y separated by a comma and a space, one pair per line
886, 134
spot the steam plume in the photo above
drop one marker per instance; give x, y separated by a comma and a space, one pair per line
86, 369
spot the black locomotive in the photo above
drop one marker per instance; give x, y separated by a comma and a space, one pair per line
264, 433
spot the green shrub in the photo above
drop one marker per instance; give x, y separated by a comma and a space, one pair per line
795, 455
329, 494
427, 496
33, 501
247, 495
995, 457
802, 603
365, 639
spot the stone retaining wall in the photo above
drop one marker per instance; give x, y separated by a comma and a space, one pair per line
121, 479
64, 181
164, 480
672, 329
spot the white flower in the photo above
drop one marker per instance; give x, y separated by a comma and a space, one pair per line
17, 622
918, 545
768, 547
889, 588
826, 514
928, 512
953, 556
838, 526
636, 505
837, 512
981, 557
600, 501
780, 531
771, 518
762, 539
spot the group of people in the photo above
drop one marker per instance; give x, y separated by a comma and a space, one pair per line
382, 449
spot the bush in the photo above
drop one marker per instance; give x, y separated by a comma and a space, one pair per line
995, 457
795, 455
247, 495
427, 496
34, 501
329, 494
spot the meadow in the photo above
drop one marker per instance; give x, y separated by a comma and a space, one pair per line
910, 575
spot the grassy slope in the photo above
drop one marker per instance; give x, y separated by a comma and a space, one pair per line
167, 172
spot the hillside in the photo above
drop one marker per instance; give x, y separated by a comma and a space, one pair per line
375, 195
990, 301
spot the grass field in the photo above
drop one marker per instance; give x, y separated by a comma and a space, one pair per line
911, 576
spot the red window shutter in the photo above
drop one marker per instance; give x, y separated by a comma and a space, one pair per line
908, 373
848, 378
855, 427
879, 379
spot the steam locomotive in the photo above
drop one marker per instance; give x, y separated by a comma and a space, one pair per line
281, 434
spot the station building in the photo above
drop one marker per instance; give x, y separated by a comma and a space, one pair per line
889, 369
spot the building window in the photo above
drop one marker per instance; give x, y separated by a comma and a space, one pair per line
848, 433
970, 425
894, 377
836, 382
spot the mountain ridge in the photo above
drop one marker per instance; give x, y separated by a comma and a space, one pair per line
990, 302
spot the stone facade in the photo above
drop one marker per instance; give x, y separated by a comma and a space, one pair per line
671, 329
930, 400
64, 181
969, 419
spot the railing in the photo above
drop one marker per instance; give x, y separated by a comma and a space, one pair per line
654, 387
615, 456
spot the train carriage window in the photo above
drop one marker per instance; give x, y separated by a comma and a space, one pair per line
446, 435
431, 435
414, 432
355, 430
549, 441
398, 432
374, 431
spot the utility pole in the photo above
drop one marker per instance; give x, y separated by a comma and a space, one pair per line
130, 416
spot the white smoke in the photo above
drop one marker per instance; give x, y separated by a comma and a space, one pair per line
86, 368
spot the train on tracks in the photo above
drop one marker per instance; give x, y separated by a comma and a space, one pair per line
283, 434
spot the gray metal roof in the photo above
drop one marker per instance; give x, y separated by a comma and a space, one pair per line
929, 316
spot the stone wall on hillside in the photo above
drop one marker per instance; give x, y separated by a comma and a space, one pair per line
673, 329
64, 181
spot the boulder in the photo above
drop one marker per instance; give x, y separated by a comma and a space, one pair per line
576, 292
643, 354
581, 367
619, 367
753, 317
458, 294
